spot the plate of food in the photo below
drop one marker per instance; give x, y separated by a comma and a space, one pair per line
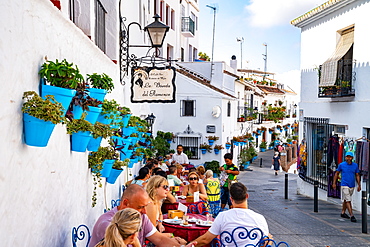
204, 223
192, 220
186, 225
173, 221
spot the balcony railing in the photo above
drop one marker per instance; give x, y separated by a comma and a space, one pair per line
187, 26
344, 84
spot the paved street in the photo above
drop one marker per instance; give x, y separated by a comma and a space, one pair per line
293, 220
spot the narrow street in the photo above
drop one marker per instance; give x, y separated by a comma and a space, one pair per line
293, 220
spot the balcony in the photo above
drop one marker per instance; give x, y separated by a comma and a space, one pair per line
187, 27
343, 86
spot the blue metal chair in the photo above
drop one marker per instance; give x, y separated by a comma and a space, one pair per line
80, 233
115, 203
241, 234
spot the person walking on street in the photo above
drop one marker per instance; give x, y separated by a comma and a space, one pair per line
276, 163
350, 172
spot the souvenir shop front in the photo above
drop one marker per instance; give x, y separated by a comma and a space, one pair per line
323, 148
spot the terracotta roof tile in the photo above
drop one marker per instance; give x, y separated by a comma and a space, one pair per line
268, 89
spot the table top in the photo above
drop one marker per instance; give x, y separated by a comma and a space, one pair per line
191, 226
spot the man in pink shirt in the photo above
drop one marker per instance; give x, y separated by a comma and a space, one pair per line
137, 198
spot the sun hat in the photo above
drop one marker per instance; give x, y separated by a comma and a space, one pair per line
349, 154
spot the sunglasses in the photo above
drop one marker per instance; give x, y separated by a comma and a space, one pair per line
193, 178
165, 187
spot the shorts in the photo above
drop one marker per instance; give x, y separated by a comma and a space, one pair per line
346, 193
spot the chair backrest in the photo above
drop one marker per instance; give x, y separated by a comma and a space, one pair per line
240, 236
115, 203
80, 233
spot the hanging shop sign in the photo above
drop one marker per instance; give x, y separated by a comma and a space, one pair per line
153, 85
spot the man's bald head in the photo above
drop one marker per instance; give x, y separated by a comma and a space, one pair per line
134, 197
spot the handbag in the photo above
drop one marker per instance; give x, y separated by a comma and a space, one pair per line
272, 167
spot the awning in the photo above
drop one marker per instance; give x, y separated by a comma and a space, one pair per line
330, 67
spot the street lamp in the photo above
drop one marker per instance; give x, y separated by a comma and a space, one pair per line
157, 32
150, 120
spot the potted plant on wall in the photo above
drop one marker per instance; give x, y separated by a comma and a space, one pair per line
117, 169
99, 132
63, 79
214, 166
101, 85
80, 131
212, 139
205, 147
40, 117
263, 146
228, 145
217, 148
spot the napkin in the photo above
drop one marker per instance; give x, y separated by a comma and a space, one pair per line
182, 207
196, 196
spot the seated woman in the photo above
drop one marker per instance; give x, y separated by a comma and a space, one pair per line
123, 229
194, 186
201, 171
142, 178
157, 189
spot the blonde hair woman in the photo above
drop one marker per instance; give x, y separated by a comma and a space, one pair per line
194, 186
123, 229
201, 170
157, 188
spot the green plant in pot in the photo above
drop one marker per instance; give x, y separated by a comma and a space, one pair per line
206, 147
45, 109
101, 81
213, 165
263, 145
80, 129
101, 130
61, 74
39, 118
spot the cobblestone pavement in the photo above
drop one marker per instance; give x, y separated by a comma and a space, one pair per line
293, 220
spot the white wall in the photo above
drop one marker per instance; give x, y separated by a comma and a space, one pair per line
45, 191
318, 42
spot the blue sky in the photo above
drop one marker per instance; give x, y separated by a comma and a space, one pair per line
258, 22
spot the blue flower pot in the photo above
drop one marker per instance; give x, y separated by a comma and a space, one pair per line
217, 151
236, 143
227, 146
37, 132
133, 162
128, 131
104, 119
107, 168
94, 144
254, 158
62, 95
203, 150
93, 114
246, 164
114, 173
80, 140
125, 119
97, 93
270, 132
77, 111
210, 142
126, 154
263, 149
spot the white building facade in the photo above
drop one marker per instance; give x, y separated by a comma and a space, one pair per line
334, 91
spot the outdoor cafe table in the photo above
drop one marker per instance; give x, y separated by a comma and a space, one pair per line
189, 233
173, 206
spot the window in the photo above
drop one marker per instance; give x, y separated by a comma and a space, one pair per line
172, 19
190, 145
195, 19
168, 15
182, 54
182, 11
336, 72
195, 54
100, 13
190, 53
169, 52
187, 108
161, 10
228, 109
71, 10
